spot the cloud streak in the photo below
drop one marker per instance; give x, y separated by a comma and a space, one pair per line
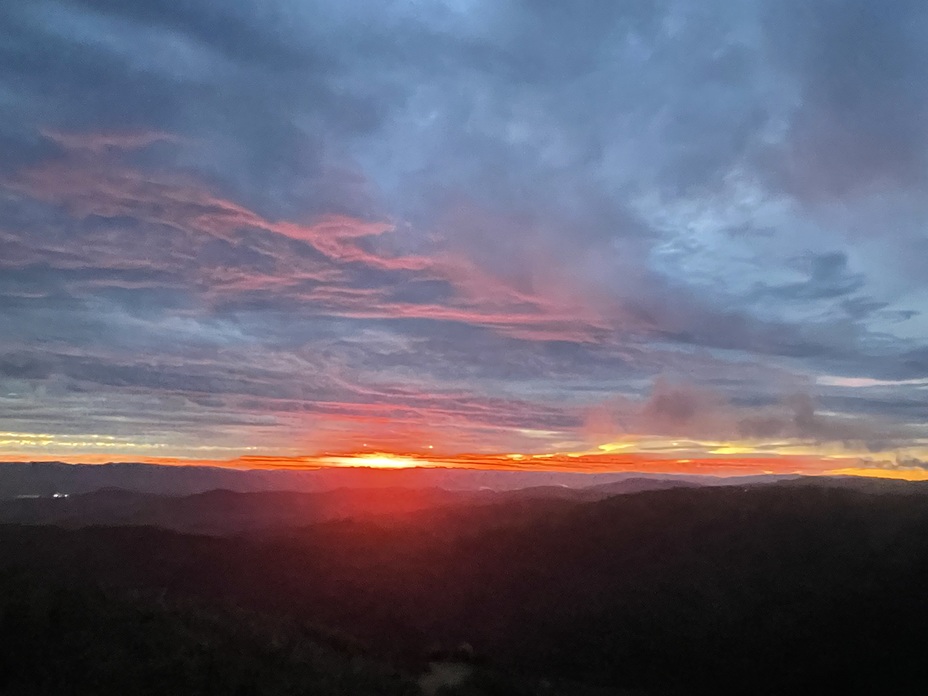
494, 227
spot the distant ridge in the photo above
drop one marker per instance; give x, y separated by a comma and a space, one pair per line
251, 501
47, 478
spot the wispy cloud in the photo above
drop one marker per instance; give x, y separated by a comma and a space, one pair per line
488, 227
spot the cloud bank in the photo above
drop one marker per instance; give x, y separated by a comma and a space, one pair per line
482, 226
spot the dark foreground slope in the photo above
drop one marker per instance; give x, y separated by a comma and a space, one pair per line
761, 590
73, 639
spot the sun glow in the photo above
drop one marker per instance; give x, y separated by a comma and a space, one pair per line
650, 454
375, 460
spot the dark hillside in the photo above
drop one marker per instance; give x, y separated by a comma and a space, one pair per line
762, 589
74, 639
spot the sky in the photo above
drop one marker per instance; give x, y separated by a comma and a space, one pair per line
612, 234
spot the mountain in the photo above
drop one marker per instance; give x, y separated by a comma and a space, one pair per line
224, 511
44, 479
48, 478
753, 589
230, 512
65, 638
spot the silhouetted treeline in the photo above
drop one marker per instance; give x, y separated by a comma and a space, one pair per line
761, 590
69, 639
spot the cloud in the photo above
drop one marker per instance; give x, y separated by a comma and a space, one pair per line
476, 218
828, 278
861, 94
701, 414
99, 143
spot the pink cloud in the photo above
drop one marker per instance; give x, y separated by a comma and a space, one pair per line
105, 187
100, 142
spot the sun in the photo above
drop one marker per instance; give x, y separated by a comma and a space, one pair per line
376, 460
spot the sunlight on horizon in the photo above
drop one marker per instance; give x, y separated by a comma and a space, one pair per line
376, 461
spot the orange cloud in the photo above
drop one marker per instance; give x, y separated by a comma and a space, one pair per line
581, 463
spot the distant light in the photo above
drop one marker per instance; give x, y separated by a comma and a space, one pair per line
375, 461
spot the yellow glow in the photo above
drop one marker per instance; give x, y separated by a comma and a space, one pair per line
615, 446
626, 453
88, 441
376, 460
732, 449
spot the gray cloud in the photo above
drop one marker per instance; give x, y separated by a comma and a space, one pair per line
860, 68
682, 410
534, 206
